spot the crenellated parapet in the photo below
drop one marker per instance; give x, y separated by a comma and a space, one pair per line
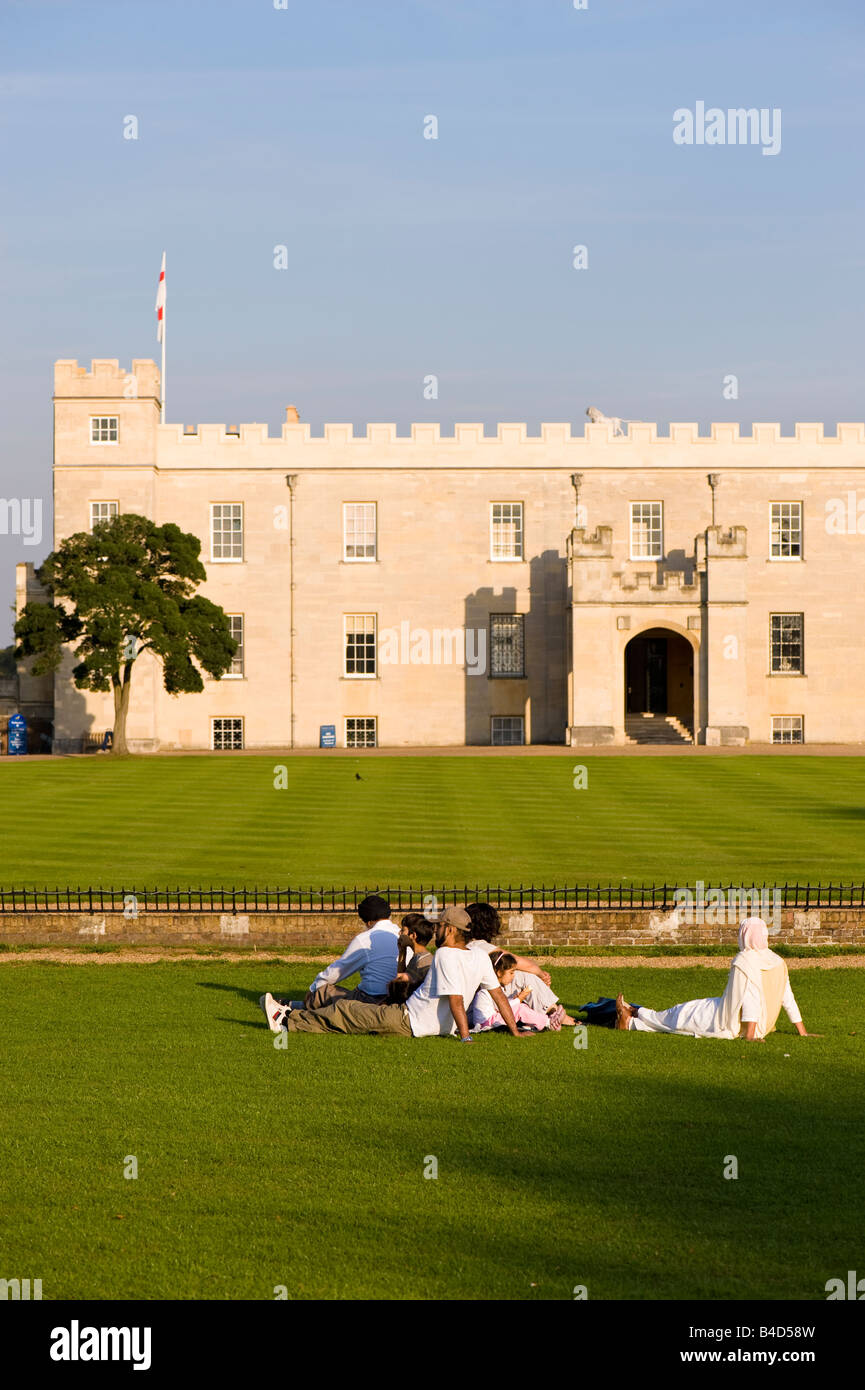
598, 575
670, 584
727, 543
106, 379
590, 545
552, 434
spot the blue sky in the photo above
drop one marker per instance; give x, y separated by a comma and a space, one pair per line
303, 127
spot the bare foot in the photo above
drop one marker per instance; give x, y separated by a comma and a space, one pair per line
623, 1013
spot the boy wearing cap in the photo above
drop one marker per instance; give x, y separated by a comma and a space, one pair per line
437, 1008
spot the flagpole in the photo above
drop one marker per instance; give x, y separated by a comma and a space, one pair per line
162, 382
160, 335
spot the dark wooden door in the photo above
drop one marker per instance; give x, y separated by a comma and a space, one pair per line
656, 675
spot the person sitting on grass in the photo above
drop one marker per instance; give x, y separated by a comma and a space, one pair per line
758, 987
532, 983
373, 953
415, 936
438, 1008
484, 1013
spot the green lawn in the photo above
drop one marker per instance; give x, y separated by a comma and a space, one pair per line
151, 822
304, 1167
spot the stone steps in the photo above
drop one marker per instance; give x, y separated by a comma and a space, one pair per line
656, 728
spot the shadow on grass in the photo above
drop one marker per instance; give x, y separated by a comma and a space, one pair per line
612, 1214
251, 995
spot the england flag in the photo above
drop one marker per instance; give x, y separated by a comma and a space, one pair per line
160, 302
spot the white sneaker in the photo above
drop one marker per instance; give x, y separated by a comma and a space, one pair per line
273, 1011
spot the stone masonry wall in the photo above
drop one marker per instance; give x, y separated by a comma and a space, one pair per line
524, 932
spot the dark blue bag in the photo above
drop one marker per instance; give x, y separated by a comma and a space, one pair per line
602, 1012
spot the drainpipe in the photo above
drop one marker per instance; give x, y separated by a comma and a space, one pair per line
291, 483
702, 715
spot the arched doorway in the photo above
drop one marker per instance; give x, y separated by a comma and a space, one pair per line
659, 681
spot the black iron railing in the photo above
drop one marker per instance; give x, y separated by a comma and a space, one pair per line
513, 898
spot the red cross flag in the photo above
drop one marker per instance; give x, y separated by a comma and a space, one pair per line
160, 303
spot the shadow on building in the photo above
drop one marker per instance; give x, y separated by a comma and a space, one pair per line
77, 718
539, 695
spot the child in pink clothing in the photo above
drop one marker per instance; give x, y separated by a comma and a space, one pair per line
484, 1014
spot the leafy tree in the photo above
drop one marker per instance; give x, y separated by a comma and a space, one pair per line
8, 668
127, 588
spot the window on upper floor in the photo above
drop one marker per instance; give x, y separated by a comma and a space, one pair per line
785, 530
359, 541
103, 511
506, 530
226, 531
104, 429
647, 530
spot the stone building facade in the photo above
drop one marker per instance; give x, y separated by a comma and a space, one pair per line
475, 589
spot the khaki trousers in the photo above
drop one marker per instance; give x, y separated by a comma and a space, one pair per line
350, 1016
328, 994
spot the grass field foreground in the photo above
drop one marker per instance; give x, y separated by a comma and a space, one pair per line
304, 1167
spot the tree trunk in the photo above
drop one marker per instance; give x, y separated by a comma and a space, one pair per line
122, 687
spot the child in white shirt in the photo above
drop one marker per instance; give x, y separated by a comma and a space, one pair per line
484, 1014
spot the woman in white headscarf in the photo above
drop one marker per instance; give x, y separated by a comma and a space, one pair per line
758, 987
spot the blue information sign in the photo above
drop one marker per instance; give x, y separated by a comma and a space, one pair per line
17, 734
327, 736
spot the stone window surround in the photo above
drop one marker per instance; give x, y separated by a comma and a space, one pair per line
519, 558
359, 559
362, 652
632, 533
227, 559
797, 674
786, 559
230, 744
357, 719
103, 502
108, 421
518, 628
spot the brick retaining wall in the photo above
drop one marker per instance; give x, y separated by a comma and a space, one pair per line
827, 926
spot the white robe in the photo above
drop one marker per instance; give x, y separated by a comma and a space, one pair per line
741, 1002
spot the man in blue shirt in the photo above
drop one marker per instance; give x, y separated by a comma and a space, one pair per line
373, 954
